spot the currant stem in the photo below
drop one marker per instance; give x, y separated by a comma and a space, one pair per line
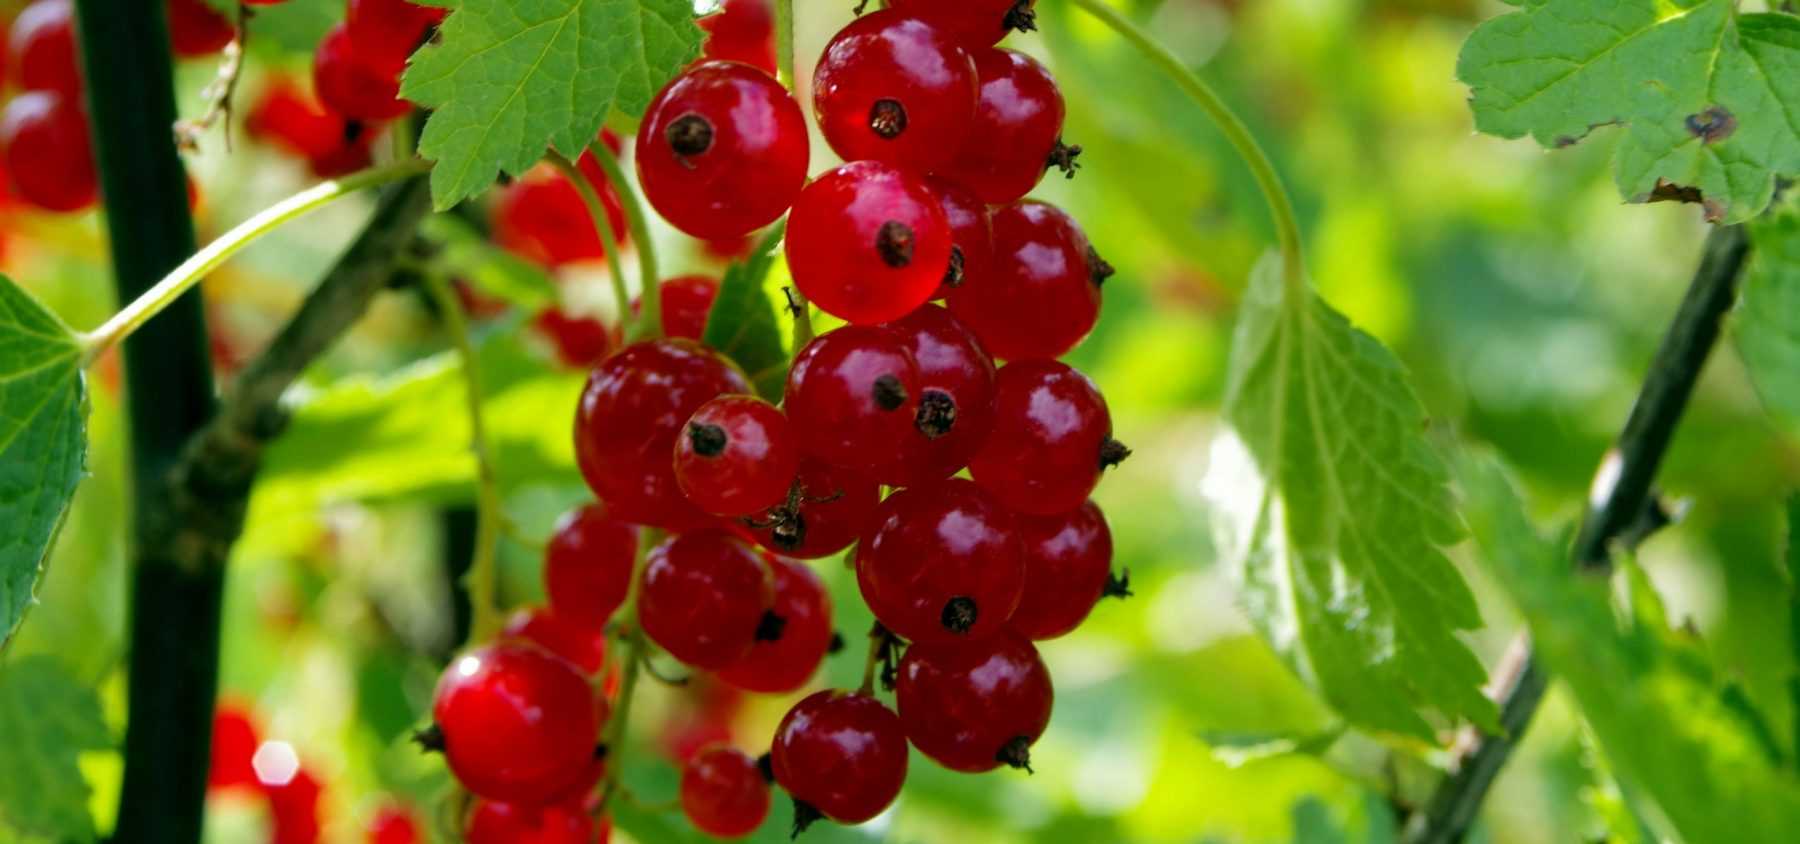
1281, 208
784, 42
609, 239
636, 650
191, 271
648, 323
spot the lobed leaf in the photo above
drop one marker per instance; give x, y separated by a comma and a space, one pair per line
1767, 324
47, 720
742, 324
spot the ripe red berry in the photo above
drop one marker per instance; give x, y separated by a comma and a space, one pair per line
1068, 568
1017, 130
516, 722
1041, 294
390, 29
1051, 439
583, 646
527, 822
722, 150
867, 242
234, 743
704, 597
287, 116
196, 30
357, 85
541, 218
579, 341
686, 303
976, 23
956, 397
45, 138
394, 824
587, 565
784, 662
893, 88
840, 755
42, 46
972, 707
852, 394
941, 563
294, 809
828, 511
971, 235
741, 31
723, 792
736, 457
634, 406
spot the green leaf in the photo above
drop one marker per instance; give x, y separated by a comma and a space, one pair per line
1237, 748
1706, 96
1652, 695
43, 442
470, 256
508, 78
1767, 325
1333, 508
742, 325
1793, 572
46, 721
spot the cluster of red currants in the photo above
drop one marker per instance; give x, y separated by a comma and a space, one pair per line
44, 129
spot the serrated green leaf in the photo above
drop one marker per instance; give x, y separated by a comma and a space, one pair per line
1652, 695
1333, 507
46, 721
43, 442
509, 78
1705, 97
1767, 324
742, 325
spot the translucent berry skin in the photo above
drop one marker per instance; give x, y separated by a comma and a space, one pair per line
41, 43
1018, 122
196, 30
971, 235
357, 85
742, 31
390, 29
956, 397
541, 217
851, 396
634, 406
975, 23
785, 663
686, 302
941, 563
835, 506
722, 150
529, 823
703, 597
587, 565
287, 115
1068, 561
517, 723
1041, 295
843, 754
736, 457
1050, 440
579, 341
867, 242
977, 706
723, 793
45, 138
892, 88
583, 646
394, 824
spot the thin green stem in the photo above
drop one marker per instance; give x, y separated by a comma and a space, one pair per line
1281, 208
609, 239
649, 320
191, 271
784, 42
636, 652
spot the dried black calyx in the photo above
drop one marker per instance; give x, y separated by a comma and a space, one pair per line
600, 751
1021, 17
765, 765
937, 414
1098, 269
894, 243
953, 274
689, 134
1062, 157
430, 739
1117, 585
888, 392
1016, 753
770, 627
959, 614
353, 132
837, 643
708, 440
1112, 453
804, 816
887, 118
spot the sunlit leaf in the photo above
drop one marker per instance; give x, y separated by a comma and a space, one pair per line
1768, 316
46, 721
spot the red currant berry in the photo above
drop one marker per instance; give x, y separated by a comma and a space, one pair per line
1041, 295
42, 43
736, 456
956, 397
587, 565
827, 510
686, 303
893, 88
360, 86
294, 809
722, 150
234, 743
839, 755
541, 218
742, 31
976, 23
394, 824
971, 235
1068, 568
528, 823
264, 2
579, 341
1017, 130
634, 406
972, 707
287, 116
45, 138
392, 29
852, 394
784, 662
196, 30
704, 598
941, 563
723, 792
516, 722
866, 242
582, 645
1052, 437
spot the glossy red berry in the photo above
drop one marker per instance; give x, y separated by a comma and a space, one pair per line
579, 341
357, 85
973, 707
542, 219
45, 138
704, 597
785, 661
634, 406
941, 563
196, 30
976, 23
741, 31
287, 116
956, 397
722, 150
294, 809
584, 646
686, 303
234, 743
1017, 132
852, 394
971, 235
394, 824
526, 822
1041, 294
891, 87
390, 29
723, 792
41, 44
867, 243
736, 457
1051, 439
841, 755
587, 565
516, 722
1068, 568
828, 511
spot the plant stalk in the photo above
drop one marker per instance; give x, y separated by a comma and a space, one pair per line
609, 239
648, 323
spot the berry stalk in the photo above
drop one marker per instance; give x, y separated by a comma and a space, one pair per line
609, 239
635, 647
648, 323
784, 42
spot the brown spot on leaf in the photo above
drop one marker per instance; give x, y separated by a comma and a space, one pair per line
1667, 191
1713, 125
